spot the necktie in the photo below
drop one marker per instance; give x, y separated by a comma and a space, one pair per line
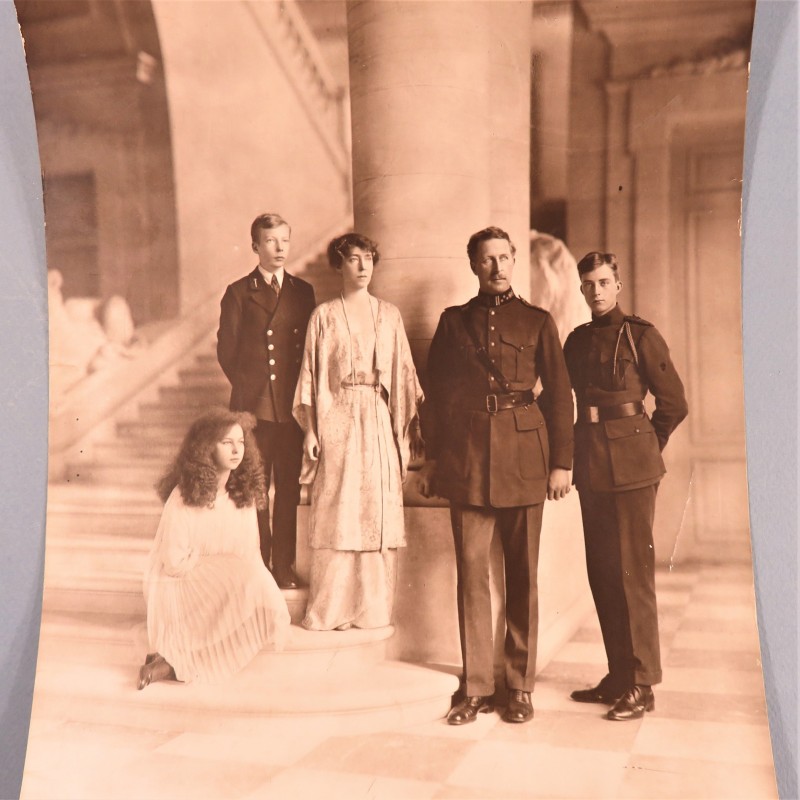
276, 287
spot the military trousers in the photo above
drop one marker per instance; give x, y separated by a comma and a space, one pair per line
281, 447
620, 561
519, 529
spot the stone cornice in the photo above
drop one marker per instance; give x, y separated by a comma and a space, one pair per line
734, 59
626, 22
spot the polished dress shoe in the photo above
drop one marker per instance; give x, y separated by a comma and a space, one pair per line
468, 709
633, 704
519, 708
606, 692
286, 579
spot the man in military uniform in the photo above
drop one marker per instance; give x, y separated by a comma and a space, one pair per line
497, 452
262, 329
613, 361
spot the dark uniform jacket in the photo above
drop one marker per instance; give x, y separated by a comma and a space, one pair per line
260, 343
616, 359
499, 459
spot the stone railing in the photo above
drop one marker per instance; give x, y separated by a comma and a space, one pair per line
98, 397
283, 27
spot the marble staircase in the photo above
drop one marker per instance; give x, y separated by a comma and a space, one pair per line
101, 521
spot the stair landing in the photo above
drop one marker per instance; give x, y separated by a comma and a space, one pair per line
88, 669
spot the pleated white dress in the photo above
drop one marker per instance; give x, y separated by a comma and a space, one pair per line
211, 602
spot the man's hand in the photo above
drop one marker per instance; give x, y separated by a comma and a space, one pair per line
426, 479
558, 484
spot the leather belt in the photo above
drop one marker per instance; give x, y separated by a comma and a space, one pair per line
501, 402
600, 413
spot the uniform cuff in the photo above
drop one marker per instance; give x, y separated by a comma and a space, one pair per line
561, 458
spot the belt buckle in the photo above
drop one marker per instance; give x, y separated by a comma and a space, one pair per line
491, 403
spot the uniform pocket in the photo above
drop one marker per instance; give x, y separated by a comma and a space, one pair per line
532, 445
633, 450
518, 357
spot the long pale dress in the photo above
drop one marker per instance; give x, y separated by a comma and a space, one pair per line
362, 391
211, 602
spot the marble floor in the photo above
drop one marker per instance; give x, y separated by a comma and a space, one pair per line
708, 737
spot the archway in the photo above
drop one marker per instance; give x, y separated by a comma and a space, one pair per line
104, 142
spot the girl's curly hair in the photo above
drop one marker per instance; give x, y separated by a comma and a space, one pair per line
193, 471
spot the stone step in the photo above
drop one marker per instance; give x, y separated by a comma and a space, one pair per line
203, 375
136, 472
66, 496
206, 359
75, 637
129, 448
141, 524
120, 593
189, 398
84, 596
97, 555
162, 413
369, 698
171, 430
101, 572
88, 595
143, 456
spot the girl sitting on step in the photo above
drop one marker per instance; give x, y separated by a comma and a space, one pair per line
211, 602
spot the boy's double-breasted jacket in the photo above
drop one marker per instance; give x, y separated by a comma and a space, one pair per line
500, 458
613, 362
260, 343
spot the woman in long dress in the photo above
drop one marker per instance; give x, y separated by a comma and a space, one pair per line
211, 602
356, 400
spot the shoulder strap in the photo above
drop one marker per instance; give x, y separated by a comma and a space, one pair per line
483, 356
625, 329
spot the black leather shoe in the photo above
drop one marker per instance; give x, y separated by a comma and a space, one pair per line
633, 704
606, 692
286, 579
468, 709
519, 708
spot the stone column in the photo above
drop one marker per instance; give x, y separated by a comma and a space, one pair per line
440, 105
429, 91
509, 122
620, 186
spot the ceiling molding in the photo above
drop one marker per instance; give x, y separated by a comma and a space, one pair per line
626, 22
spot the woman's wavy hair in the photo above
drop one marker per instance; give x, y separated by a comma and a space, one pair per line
194, 472
342, 246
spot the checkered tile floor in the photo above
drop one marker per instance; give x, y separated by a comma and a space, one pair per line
708, 737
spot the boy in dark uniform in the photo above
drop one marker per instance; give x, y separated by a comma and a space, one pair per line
613, 361
497, 452
262, 328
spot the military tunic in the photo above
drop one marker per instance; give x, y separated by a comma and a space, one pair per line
493, 466
259, 347
498, 459
613, 362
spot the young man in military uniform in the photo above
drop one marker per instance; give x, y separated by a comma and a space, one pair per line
262, 328
613, 361
497, 452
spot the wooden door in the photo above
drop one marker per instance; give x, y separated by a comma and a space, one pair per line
706, 261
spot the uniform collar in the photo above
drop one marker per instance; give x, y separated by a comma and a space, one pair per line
267, 276
489, 300
613, 318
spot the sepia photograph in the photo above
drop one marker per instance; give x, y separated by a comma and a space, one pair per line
397, 429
